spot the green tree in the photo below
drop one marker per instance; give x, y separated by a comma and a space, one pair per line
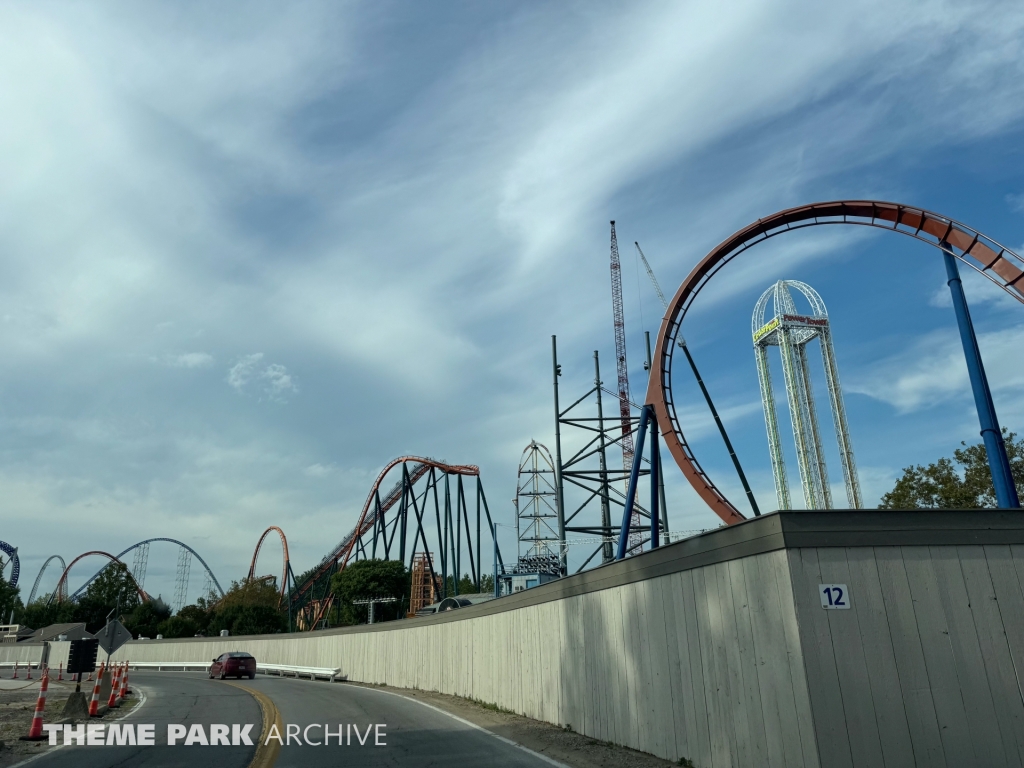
255, 592
113, 588
248, 620
468, 587
178, 626
963, 482
10, 602
38, 614
370, 578
247, 608
145, 618
197, 614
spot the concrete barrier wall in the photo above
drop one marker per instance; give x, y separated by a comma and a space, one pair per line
22, 652
717, 648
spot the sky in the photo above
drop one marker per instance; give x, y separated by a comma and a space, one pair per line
253, 251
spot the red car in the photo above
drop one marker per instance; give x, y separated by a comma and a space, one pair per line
234, 664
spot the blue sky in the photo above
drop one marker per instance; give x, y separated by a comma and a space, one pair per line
251, 252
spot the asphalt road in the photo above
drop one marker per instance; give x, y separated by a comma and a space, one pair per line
170, 698
410, 733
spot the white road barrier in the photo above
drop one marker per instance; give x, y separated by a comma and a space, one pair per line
282, 670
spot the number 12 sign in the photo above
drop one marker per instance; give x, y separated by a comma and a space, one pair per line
834, 596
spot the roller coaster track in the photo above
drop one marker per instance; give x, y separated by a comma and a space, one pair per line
62, 584
371, 519
35, 584
12, 553
983, 254
195, 554
287, 570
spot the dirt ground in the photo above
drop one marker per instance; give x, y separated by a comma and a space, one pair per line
18, 703
563, 745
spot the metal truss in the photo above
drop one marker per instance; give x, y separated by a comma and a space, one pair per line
139, 564
181, 578
396, 525
536, 504
791, 332
598, 486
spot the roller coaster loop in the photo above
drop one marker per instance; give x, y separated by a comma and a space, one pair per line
287, 569
39, 577
61, 588
12, 553
999, 264
195, 554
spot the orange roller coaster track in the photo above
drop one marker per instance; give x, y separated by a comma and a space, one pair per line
287, 565
969, 246
407, 525
61, 588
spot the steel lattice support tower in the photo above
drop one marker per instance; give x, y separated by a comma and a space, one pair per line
536, 505
618, 319
181, 580
139, 564
791, 332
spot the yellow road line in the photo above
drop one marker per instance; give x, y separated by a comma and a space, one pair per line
266, 754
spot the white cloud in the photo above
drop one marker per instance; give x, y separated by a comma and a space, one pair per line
1016, 202
420, 250
190, 360
932, 370
277, 381
320, 470
242, 372
978, 290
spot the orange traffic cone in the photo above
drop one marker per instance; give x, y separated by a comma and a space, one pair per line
35, 731
15, 675
60, 672
94, 703
115, 682
124, 682
29, 675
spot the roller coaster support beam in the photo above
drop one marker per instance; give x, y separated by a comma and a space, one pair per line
656, 446
634, 476
559, 503
998, 461
655, 478
721, 429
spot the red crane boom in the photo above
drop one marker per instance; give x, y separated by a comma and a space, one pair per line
623, 371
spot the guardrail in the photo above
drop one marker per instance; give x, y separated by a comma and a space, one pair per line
281, 670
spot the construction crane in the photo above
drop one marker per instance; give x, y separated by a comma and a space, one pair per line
700, 381
635, 536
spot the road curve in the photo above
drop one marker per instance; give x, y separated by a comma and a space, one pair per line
170, 698
410, 732
414, 734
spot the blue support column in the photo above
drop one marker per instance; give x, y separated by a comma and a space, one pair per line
655, 469
634, 475
998, 461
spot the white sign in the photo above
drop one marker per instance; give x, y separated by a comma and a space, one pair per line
834, 596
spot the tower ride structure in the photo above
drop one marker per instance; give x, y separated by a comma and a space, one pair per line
791, 332
537, 511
